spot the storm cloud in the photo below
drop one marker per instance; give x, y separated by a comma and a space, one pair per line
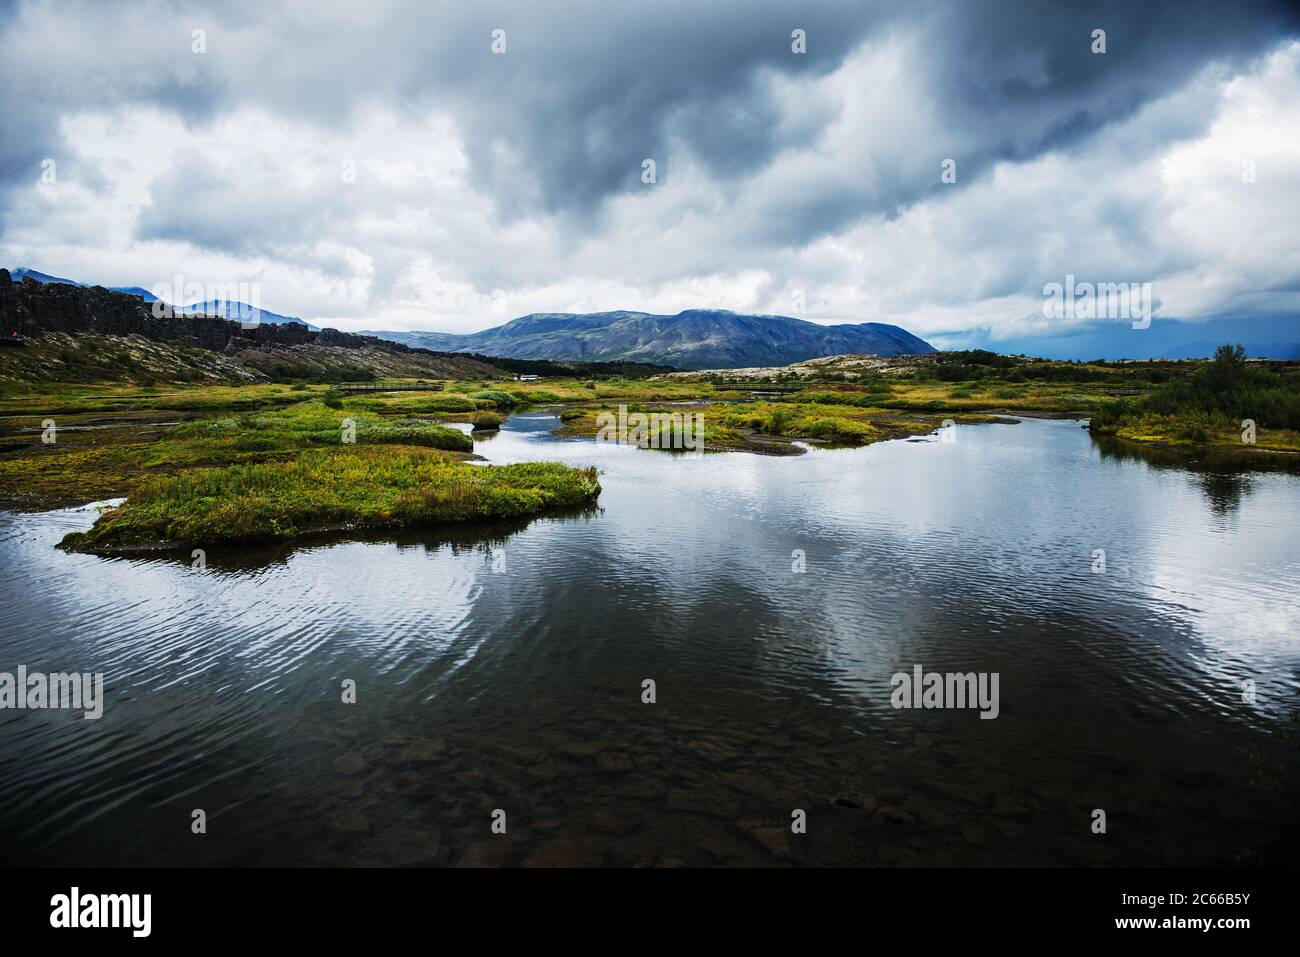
383, 166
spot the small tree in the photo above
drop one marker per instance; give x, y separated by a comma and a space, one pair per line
1227, 369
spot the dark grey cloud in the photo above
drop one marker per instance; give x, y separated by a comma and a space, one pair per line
1024, 74
1013, 80
761, 153
585, 91
60, 59
581, 98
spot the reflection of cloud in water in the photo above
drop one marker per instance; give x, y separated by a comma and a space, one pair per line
969, 556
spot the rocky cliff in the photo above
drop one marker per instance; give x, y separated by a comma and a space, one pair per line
46, 313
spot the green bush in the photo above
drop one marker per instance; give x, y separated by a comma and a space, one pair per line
413, 403
838, 430
538, 395
411, 432
499, 399
1217, 395
777, 421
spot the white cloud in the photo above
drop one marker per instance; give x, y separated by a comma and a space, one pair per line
229, 169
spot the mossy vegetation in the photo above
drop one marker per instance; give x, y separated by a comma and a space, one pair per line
410, 403
751, 426
1174, 403
483, 421
536, 396
1225, 403
113, 437
326, 490
41, 400
497, 398
97, 461
309, 424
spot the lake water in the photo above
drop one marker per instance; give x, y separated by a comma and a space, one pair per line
503, 669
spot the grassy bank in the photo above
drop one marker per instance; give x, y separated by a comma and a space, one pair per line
753, 426
313, 423
107, 455
833, 423
327, 489
40, 400
1226, 403
110, 438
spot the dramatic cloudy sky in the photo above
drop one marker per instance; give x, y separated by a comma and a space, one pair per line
491, 185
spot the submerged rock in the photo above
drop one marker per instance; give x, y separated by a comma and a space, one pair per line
565, 852
549, 770
490, 853
720, 849
424, 751
350, 763
614, 761
698, 803
352, 822
609, 823
411, 846
583, 749
773, 838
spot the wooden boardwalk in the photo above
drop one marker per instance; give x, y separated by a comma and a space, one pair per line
391, 385
758, 388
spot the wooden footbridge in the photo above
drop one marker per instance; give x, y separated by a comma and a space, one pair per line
758, 388
391, 385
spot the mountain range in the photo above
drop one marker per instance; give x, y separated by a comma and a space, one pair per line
226, 308
693, 339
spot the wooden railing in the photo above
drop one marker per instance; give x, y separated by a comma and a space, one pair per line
391, 385
758, 388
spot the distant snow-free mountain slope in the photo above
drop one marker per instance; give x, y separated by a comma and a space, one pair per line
20, 273
226, 308
694, 339
240, 312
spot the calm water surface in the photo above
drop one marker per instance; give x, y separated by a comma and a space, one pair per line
502, 668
